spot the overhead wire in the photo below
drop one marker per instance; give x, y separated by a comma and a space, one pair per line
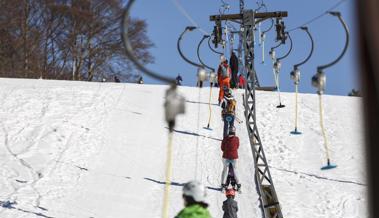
319, 16
198, 27
189, 18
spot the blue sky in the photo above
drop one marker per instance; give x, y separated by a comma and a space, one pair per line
165, 23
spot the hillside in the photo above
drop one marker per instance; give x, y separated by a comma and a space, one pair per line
78, 149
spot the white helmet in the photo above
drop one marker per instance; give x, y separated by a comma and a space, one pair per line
222, 58
196, 190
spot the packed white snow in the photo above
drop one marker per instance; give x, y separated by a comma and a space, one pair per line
80, 149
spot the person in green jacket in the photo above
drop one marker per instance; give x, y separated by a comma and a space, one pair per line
194, 194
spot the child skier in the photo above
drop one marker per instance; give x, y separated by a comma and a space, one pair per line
179, 80
228, 106
230, 206
229, 147
194, 201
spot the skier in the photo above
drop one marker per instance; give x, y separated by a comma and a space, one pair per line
179, 80
194, 201
116, 79
234, 69
242, 81
223, 75
230, 206
140, 80
229, 147
228, 106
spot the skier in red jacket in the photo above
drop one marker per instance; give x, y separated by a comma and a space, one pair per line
229, 147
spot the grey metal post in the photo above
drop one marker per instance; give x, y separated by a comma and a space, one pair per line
240, 63
269, 200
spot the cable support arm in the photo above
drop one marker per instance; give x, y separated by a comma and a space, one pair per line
272, 24
312, 48
129, 49
276, 46
187, 29
289, 51
175, 103
272, 51
198, 53
338, 15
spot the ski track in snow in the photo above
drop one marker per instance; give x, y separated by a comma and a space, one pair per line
78, 149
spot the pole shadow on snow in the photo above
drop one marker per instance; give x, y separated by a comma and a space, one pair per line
178, 184
197, 102
195, 134
319, 177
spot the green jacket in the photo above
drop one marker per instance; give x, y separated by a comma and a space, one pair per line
194, 211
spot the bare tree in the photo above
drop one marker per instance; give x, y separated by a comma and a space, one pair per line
67, 39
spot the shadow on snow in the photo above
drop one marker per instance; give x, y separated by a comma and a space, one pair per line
194, 134
178, 184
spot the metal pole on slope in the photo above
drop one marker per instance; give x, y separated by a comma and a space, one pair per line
174, 104
319, 81
201, 73
263, 39
295, 76
277, 66
269, 200
211, 78
240, 43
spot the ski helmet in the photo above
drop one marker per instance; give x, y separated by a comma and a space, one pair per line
222, 59
230, 192
196, 190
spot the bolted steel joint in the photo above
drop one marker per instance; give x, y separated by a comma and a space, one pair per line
295, 76
319, 82
174, 105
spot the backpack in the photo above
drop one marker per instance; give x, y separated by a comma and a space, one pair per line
224, 71
230, 106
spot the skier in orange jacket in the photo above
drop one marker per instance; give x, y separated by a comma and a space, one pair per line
223, 75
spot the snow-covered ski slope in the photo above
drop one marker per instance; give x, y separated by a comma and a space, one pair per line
79, 149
